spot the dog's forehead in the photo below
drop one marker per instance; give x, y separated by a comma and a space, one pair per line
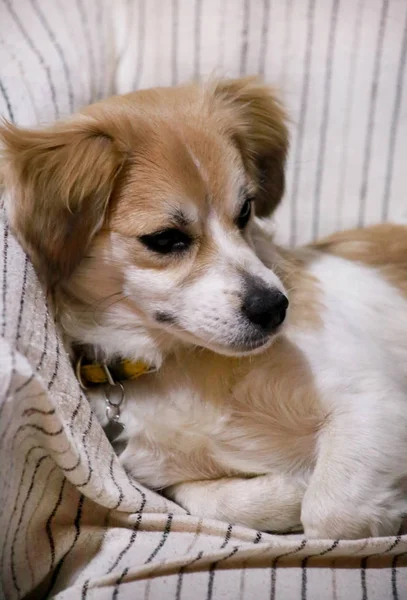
179, 170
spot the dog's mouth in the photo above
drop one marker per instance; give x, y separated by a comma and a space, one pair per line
248, 343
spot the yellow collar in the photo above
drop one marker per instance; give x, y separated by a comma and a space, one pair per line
98, 373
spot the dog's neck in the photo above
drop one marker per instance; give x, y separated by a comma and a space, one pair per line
105, 343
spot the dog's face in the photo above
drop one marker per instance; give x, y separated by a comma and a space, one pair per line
142, 209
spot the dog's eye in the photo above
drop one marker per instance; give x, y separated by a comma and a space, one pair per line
245, 213
167, 241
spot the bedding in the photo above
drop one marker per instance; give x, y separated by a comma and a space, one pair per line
72, 524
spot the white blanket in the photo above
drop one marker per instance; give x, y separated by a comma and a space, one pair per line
72, 525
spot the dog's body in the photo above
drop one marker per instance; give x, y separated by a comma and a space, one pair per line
145, 232
320, 417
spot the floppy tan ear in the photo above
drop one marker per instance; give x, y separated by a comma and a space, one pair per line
59, 181
261, 134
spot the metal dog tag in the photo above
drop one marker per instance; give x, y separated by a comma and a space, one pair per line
113, 429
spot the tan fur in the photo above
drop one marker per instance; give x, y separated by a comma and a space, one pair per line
383, 247
64, 176
62, 179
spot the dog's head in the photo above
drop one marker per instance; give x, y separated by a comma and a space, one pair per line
141, 209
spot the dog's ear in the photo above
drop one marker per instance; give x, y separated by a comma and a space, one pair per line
258, 127
59, 181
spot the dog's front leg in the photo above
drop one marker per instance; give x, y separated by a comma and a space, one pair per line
266, 502
356, 489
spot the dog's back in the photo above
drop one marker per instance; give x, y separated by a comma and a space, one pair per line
381, 246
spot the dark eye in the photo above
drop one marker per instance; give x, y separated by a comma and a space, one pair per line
167, 241
245, 213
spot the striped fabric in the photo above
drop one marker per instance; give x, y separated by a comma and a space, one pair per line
72, 524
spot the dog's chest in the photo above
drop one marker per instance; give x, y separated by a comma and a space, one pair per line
222, 421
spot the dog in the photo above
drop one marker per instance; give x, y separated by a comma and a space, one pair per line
277, 391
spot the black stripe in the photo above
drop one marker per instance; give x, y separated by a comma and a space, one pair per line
286, 44
227, 536
75, 412
10, 379
77, 526
174, 64
88, 41
372, 112
142, 494
7, 477
23, 76
257, 538
328, 550
197, 31
244, 37
12, 453
5, 264
348, 110
17, 499
118, 582
221, 54
264, 37
363, 577
85, 447
363, 564
67, 17
164, 537
28, 412
48, 529
37, 53
6, 97
17, 529
79, 458
42, 357
394, 576
325, 117
304, 564
140, 43
303, 116
133, 536
212, 569
181, 574
74, 466
58, 48
84, 591
88, 427
129, 544
394, 127
100, 34
40, 429
274, 567
56, 367
213, 565
119, 489
22, 300
33, 518
393, 545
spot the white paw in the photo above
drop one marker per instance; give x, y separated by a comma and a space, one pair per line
323, 517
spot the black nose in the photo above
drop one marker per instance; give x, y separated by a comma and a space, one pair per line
263, 306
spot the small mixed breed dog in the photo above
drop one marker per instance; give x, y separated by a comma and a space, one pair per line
279, 396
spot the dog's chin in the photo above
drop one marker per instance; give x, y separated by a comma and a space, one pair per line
233, 348
251, 343
248, 348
